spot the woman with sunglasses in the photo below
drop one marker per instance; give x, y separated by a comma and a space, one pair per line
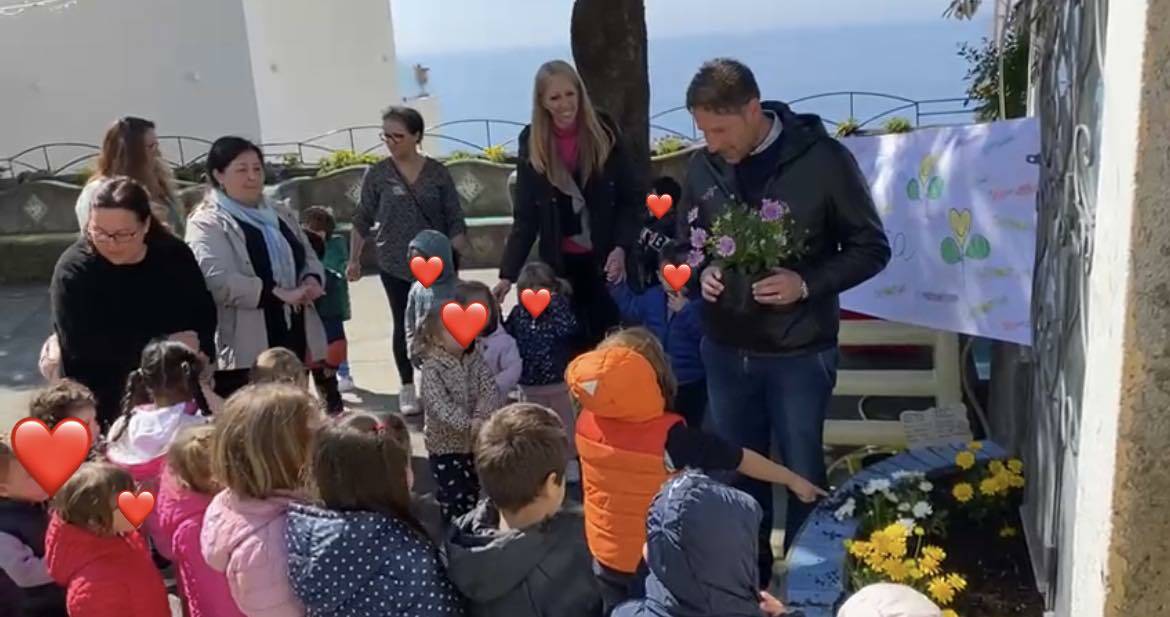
401, 196
125, 282
131, 148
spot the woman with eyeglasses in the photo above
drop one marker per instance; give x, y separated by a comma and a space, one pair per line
401, 196
131, 148
576, 196
125, 282
258, 264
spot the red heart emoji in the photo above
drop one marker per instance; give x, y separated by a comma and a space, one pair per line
535, 301
465, 324
135, 507
659, 204
427, 271
51, 457
676, 276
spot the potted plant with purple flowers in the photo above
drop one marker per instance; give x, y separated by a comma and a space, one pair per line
747, 244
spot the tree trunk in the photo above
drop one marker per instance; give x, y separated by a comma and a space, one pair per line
609, 49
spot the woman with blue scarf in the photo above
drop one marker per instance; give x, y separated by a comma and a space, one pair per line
258, 264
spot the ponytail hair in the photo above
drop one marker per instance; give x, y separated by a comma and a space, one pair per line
136, 394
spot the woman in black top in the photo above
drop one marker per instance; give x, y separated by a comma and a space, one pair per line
403, 195
258, 264
124, 282
575, 191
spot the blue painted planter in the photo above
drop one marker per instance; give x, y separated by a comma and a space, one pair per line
816, 581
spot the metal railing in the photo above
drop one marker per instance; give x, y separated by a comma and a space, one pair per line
181, 150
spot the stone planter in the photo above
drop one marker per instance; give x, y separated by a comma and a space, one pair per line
482, 187
37, 223
816, 583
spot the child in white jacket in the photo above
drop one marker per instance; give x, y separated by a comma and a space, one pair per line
498, 347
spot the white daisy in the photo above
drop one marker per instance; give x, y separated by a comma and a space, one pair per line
846, 510
922, 510
903, 507
925, 486
875, 485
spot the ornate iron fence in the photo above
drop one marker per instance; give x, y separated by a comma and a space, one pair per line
71, 157
1067, 63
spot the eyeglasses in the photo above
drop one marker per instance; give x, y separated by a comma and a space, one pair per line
121, 237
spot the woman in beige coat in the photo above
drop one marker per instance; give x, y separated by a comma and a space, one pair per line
258, 264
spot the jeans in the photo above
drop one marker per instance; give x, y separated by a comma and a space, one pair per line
397, 291
758, 400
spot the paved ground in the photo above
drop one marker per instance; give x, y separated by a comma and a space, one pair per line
25, 318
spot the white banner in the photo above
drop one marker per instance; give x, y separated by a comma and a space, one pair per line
959, 207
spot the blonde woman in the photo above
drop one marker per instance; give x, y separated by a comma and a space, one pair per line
130, 148
575, 192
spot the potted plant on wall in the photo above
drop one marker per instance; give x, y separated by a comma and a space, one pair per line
747, 244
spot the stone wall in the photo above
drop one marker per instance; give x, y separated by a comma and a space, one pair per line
37, 218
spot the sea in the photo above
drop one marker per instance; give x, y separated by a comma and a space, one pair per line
916, 61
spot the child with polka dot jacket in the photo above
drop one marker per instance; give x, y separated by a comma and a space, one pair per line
357, 550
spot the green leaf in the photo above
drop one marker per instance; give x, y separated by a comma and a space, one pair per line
935, 188
912, 190
950, 251
978, 247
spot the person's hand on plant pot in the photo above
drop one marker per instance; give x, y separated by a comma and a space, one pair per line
615, 265
711, 282
782, 288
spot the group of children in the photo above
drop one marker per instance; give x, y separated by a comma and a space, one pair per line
267, 506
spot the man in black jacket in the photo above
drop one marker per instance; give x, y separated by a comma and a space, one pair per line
771, 360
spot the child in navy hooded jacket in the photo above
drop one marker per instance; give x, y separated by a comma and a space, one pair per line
360, 552
700, 550
675, 319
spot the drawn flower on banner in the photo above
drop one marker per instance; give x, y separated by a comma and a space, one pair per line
964, 244
928, 181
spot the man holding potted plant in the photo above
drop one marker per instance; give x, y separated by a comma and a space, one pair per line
781, 221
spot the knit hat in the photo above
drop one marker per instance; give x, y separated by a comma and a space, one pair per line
889, 600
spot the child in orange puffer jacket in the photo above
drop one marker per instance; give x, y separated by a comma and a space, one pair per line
629, 444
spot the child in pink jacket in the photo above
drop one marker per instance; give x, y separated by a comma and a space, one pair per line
499, 348
185, 492
261, 443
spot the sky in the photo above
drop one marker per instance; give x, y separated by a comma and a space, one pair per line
430, 26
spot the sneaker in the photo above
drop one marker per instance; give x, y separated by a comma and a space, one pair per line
344, 383
573, 472
407, 402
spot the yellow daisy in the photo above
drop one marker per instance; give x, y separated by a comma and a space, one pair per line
956, 581
996, 467
940, 590
990, 486
897, 570
975, 446
934, 552
963, 492
1016, 481
965, 460
1016, 465
929, 566
949, 613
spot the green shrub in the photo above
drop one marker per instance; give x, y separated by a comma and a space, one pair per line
460, 155
848, 127
495, 154
898, 125
345, 158
291, 160
669, 144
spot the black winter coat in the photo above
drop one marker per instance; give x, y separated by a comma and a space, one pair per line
611, 196
820, 181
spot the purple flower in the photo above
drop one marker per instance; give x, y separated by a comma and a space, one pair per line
698, 237
695, 258
772, 210
725, 246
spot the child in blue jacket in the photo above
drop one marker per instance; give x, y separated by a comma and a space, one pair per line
673, 317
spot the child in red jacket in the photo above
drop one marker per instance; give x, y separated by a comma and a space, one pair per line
95, 553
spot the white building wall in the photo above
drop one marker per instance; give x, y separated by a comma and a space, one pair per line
67, 74
321, 65
1083, 585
